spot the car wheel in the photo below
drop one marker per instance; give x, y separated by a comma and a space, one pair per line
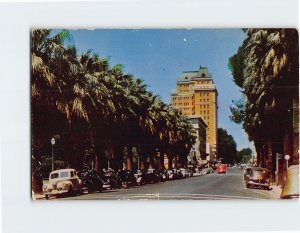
47, 196
71, 192
90, 189
100, 189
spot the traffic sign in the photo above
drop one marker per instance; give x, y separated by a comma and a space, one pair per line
279, 156
287, 157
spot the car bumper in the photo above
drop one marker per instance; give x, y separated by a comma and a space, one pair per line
106, 186
55, 192
258, 184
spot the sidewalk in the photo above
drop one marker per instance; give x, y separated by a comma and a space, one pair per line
275, 192
37, 196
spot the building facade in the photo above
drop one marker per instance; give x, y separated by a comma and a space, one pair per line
196, 96
198, 151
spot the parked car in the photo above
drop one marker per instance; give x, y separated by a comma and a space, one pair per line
63, 181
127, 177
140, 177
257, 177
152, 176
210, 170
91, 181
291, 187
204, 171
170, 175
177, 174
191, 172
164, 175
222, 168
184, 172
111, 180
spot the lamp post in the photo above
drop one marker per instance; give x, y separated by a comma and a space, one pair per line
52, 143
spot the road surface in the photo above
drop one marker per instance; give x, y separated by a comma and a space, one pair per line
213, 186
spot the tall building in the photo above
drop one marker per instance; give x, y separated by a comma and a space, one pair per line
196, 95
198, 151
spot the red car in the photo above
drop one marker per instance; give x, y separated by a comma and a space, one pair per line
222, 168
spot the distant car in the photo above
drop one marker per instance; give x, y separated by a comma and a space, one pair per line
210, 170
204, 171
222, 168
63, 181
170, 174
291, 186
257, 177
184, 172
140, 177
191, 172
164, 175
179, 174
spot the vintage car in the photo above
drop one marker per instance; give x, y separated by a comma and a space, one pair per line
257, 177
291, 186
111, 180
91, 181
164, 175
184, 172
222, 168
140, 177
152, 176
64, 181
127, 177
170, 175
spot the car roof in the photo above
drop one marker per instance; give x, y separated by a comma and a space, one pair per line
64, 170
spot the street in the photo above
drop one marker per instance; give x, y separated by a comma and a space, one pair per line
213, 186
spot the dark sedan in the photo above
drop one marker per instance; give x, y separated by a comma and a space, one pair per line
257, 177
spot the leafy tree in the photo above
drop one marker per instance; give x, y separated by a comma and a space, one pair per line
226, 147
244, 155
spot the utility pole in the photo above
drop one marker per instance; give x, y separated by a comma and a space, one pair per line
278, 156
52, 143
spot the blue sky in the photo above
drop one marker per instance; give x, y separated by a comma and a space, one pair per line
159, 56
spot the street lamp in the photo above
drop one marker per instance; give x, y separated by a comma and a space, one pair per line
52, 143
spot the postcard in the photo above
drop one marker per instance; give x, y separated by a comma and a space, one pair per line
164, 114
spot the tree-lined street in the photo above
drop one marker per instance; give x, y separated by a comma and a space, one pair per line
212, 186
91, 116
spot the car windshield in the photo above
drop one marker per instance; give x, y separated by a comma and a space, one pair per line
260, 173
54, 175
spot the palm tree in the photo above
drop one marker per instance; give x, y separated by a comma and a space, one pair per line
266, 68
